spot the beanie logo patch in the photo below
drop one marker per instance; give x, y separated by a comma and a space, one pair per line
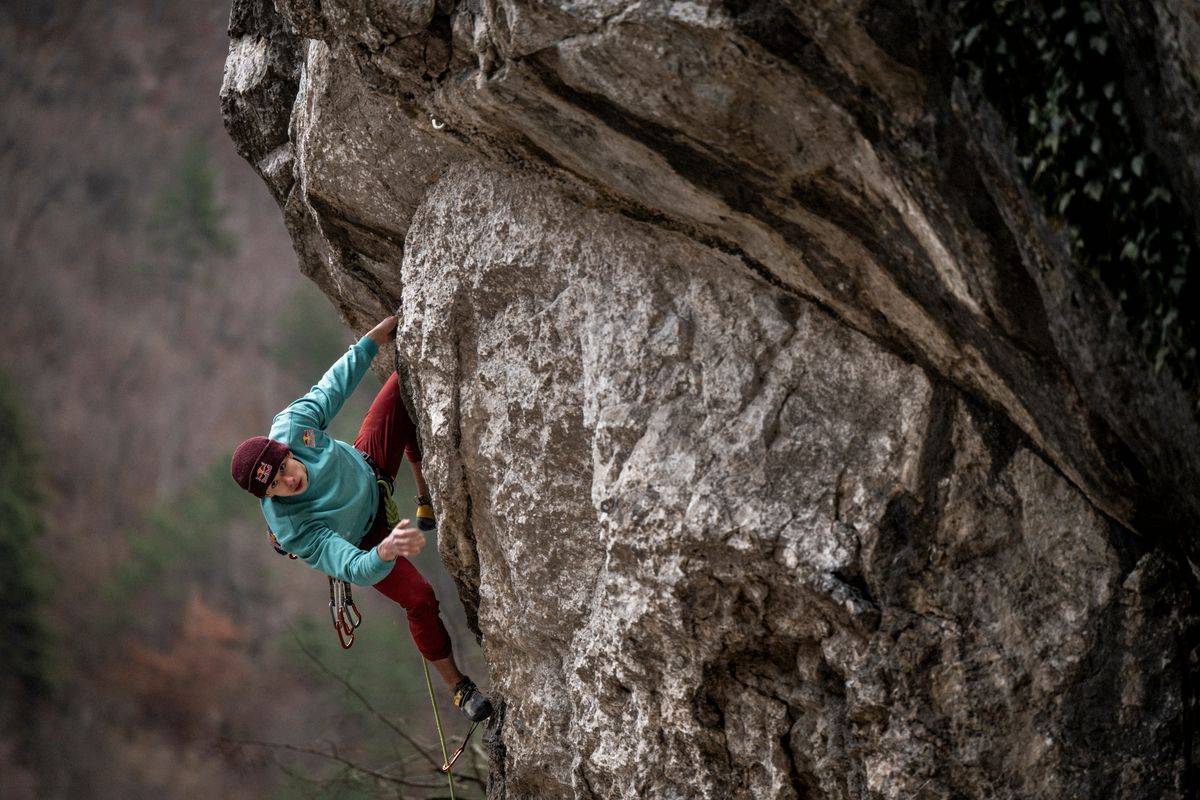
264, 472
310, 439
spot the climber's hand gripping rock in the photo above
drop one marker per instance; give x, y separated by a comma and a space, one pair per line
385, 331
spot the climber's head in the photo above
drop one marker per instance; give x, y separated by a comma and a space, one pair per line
290, 479
256, 465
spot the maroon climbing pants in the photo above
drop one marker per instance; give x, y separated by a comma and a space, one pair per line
387, 434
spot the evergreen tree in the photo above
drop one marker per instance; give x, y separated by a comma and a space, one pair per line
186, 223
23, 658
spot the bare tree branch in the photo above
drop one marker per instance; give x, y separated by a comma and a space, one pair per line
366, 703
472, 778
336, 757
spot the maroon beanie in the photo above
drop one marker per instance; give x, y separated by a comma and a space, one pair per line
255, 463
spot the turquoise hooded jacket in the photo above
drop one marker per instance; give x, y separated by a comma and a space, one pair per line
323, 525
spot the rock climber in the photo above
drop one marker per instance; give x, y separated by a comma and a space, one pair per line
325, 500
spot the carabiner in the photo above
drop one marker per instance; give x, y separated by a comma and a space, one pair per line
345, 635
450, 761
355, 616
337, 612
347, 621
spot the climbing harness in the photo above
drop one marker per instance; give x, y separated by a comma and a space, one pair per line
346, 616
386, 488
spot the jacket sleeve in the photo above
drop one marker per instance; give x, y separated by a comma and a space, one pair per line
322, 549
323, 401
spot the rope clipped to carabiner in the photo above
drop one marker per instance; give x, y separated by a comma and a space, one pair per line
449, 762
345, 615
437, 717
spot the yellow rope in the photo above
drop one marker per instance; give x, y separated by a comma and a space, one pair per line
438, 718
393, 513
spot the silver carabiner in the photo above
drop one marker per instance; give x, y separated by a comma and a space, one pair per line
337, 612
353, 615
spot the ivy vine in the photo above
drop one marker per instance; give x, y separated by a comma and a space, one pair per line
1053, 71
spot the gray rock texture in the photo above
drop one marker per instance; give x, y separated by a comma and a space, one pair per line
780, 450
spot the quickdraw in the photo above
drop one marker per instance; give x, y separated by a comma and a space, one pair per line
449, 762
345, 615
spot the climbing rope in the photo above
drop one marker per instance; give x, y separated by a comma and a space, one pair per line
389, 505
438, 719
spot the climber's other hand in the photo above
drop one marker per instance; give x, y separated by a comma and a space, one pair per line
402, 541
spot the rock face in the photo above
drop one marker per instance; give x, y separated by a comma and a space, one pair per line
780, 450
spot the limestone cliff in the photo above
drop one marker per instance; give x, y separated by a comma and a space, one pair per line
781, 447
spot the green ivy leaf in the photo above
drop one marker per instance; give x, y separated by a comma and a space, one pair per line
1077, 138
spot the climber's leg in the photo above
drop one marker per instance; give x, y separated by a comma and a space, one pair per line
386, 433
419, 477
448, 670
406, 586
425, 518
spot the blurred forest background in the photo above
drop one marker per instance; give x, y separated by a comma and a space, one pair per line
154, 645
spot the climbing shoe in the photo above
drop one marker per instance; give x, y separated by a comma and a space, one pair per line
426, 519
474, 703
